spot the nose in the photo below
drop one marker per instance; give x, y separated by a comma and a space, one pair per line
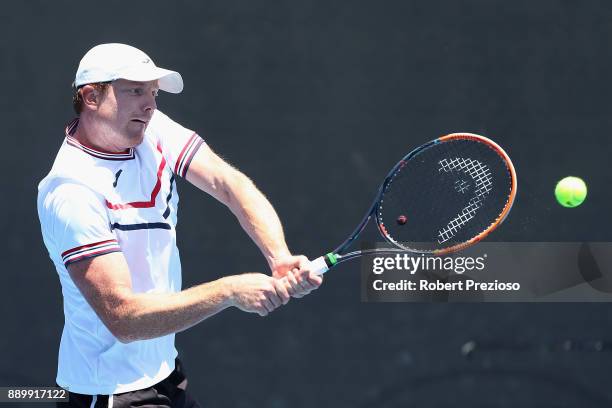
150, 104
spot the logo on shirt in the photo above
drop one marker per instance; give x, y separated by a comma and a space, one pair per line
117, 178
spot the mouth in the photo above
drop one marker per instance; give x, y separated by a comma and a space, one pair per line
144, 122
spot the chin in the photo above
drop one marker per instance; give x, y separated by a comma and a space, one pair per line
135, 140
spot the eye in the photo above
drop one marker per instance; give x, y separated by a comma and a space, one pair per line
156, 93
136, 91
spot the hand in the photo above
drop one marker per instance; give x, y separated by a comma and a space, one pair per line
285, 263
295, 273
257, 293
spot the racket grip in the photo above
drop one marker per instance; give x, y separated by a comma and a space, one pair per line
319, 266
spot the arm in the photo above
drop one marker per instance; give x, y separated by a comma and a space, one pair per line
255, 214
105, 283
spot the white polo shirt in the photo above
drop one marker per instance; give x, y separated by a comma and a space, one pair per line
93, 203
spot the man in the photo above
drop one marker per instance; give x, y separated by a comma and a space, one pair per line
108, 215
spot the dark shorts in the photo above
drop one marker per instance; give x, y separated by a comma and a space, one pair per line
169, 393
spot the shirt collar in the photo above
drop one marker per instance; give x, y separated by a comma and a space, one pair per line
100, 154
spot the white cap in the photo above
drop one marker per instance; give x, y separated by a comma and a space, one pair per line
107, 62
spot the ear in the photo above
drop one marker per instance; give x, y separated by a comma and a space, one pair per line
91, 97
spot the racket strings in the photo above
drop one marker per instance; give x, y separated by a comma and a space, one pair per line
448, 193
481, 175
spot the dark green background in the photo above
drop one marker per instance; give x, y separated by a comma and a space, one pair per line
315, 101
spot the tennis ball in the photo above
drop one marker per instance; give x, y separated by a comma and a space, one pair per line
570, 191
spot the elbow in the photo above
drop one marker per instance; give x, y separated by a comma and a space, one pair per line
120, 329
119, 320
125, 340
123, 336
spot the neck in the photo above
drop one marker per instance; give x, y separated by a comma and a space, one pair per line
96, 135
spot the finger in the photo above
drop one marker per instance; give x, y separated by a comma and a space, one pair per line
292, 284
301, 287
296, 289
293, 262
267, 305
281, 290
273, 297
315, 280
302, 281
304, 263
306, 285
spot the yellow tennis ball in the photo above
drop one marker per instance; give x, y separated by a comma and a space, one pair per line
571, 191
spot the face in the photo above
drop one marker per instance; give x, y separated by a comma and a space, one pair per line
125, 111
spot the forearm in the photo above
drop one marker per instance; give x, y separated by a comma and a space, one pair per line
141, 316
257, 217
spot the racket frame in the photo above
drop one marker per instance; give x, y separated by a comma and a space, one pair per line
324, 263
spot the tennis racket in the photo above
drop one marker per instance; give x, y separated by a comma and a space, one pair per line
440, 198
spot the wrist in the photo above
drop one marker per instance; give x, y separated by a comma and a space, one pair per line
227, 290
278, 257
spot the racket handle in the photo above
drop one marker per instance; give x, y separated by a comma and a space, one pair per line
319, 266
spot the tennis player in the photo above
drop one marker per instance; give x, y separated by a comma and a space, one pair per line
108, 214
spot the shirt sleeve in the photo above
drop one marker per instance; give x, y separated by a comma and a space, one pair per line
179, 144
75, 224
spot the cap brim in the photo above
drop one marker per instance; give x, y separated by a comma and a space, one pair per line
169, 81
